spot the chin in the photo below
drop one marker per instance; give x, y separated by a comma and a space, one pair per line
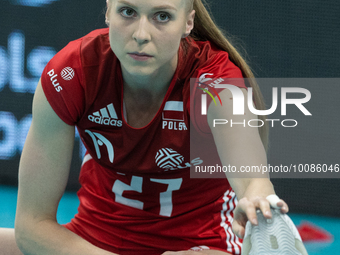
141, 71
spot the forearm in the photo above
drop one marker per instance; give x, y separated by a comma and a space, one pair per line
7, 242
261, 187
251, 187
48, 237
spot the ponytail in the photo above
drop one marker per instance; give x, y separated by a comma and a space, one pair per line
206, 30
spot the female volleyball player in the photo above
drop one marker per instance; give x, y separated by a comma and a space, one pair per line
127, 90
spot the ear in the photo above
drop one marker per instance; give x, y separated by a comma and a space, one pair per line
189, 23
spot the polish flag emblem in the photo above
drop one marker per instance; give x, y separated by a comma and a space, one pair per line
173, 111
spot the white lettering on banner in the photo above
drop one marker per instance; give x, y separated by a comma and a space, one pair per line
3, 68
12, 64
8, 129
32, 3
13, 134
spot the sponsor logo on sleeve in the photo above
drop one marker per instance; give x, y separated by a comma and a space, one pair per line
203, 80
67, 73
54, 80
205, 87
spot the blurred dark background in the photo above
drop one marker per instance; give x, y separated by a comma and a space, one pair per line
280, 39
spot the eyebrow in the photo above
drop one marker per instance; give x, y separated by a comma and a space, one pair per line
160, 7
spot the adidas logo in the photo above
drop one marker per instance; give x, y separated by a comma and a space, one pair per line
106, 116
169, 159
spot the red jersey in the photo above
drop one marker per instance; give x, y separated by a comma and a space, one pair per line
137, 196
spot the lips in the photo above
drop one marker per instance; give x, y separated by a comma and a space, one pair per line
140, 56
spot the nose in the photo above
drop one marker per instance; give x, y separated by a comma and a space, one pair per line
142, 34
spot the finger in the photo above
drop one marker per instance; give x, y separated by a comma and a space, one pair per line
264, 206
251, 213
278, 203
240, 218
284, 207
245, 211
274, 200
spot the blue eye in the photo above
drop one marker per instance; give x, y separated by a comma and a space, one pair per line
162, 17
127, 12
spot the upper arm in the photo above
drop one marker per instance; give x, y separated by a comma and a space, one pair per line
237, 144
45, 162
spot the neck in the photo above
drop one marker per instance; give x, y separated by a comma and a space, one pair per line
143, 96
153, 85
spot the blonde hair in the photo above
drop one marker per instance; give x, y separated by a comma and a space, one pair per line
206, 30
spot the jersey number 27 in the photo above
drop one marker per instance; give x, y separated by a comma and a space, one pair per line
165, 198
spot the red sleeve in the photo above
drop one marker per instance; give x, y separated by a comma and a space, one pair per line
219, 71
63, 85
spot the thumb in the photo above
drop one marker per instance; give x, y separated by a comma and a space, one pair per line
238, 229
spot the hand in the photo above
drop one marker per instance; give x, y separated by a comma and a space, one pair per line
188, 252
246, 210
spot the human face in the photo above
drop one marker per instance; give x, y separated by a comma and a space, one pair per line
145, 34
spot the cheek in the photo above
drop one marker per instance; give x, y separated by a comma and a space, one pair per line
170, 42
117, 36
117, 32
